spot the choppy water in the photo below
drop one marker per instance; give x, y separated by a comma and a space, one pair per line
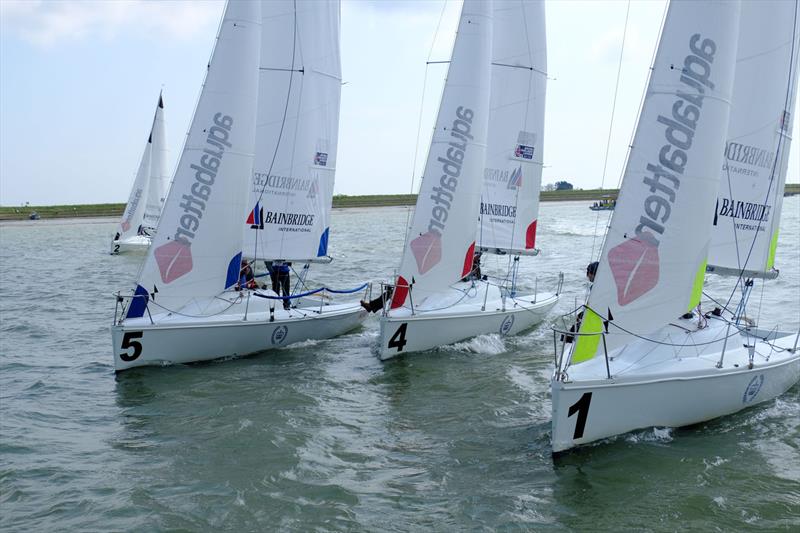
322, 436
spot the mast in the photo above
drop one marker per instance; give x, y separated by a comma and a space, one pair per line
653, 261
297, 132
748, 206
441, 240
196, 252
514, 153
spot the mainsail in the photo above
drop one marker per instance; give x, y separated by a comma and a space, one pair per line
441, 240
513, 173
748, 207
159, 175
196, 252
297, 132
654, 256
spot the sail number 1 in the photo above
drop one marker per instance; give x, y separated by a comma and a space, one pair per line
582, 408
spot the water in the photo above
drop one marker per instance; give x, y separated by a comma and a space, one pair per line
322, 436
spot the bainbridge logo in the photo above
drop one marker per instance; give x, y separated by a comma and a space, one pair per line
174, 258
256, 217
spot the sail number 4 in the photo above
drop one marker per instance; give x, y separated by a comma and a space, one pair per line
582, 408
128, 341
398, 340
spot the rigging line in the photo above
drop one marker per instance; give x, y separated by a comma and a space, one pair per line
611, 125
283, 120
300, 70
778, 153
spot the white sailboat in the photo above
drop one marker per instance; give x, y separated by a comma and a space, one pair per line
148, 193
643, 355
484, 164
186, 306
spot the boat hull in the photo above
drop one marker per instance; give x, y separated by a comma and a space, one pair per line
138, 243
588, 410
407, 334
171, 343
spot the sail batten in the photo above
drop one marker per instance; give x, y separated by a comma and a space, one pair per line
653, 257
513, 174
756, 154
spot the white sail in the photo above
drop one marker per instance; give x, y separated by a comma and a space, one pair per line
654, 256
196, 251
297, 132
159, 174
441, 240
513, 174
747, 212
131, 223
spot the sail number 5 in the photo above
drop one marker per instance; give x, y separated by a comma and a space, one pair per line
398, 340
582, 408
128, 341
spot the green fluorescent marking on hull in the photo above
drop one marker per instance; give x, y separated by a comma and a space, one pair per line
773, 247
586, 346
697, 287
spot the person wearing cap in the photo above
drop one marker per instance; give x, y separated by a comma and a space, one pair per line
246, 277
591, 270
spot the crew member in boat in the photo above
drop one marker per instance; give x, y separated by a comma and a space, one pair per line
591, 270
376, 304
246, 277
282, 270
475, 273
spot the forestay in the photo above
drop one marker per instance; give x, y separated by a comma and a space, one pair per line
513, 175
747, 212
196, 251
654, 255
159, 175
297, 132
441, 239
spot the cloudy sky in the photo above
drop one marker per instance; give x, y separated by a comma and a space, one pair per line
79, 81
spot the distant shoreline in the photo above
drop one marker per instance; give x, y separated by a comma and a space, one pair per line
339, 201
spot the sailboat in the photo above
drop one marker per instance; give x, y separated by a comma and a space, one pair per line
188, 305
645, 355
146, 200
484, 164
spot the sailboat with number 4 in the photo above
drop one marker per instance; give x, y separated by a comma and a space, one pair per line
191, 302
484, 165
725, 73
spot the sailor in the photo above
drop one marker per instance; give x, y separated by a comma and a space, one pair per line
246, 277
282, 270
376, 304
591, 270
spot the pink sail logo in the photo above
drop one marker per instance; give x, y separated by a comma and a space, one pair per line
635, 267
427, 250
174, 259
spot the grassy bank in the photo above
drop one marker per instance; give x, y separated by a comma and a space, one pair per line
340, 200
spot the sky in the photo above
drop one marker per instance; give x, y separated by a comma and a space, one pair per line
79, 81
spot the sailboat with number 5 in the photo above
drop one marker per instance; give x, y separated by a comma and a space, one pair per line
194, 300
645, 355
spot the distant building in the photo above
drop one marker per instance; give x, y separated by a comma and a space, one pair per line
563, 186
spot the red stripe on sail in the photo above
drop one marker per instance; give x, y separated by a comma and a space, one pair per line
468, 259
530, 236
400, 293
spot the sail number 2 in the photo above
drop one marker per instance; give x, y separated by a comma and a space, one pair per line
128, 341
582, 408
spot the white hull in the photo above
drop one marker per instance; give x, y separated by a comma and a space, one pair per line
137, 243
402, 333
669, 386
233, 331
